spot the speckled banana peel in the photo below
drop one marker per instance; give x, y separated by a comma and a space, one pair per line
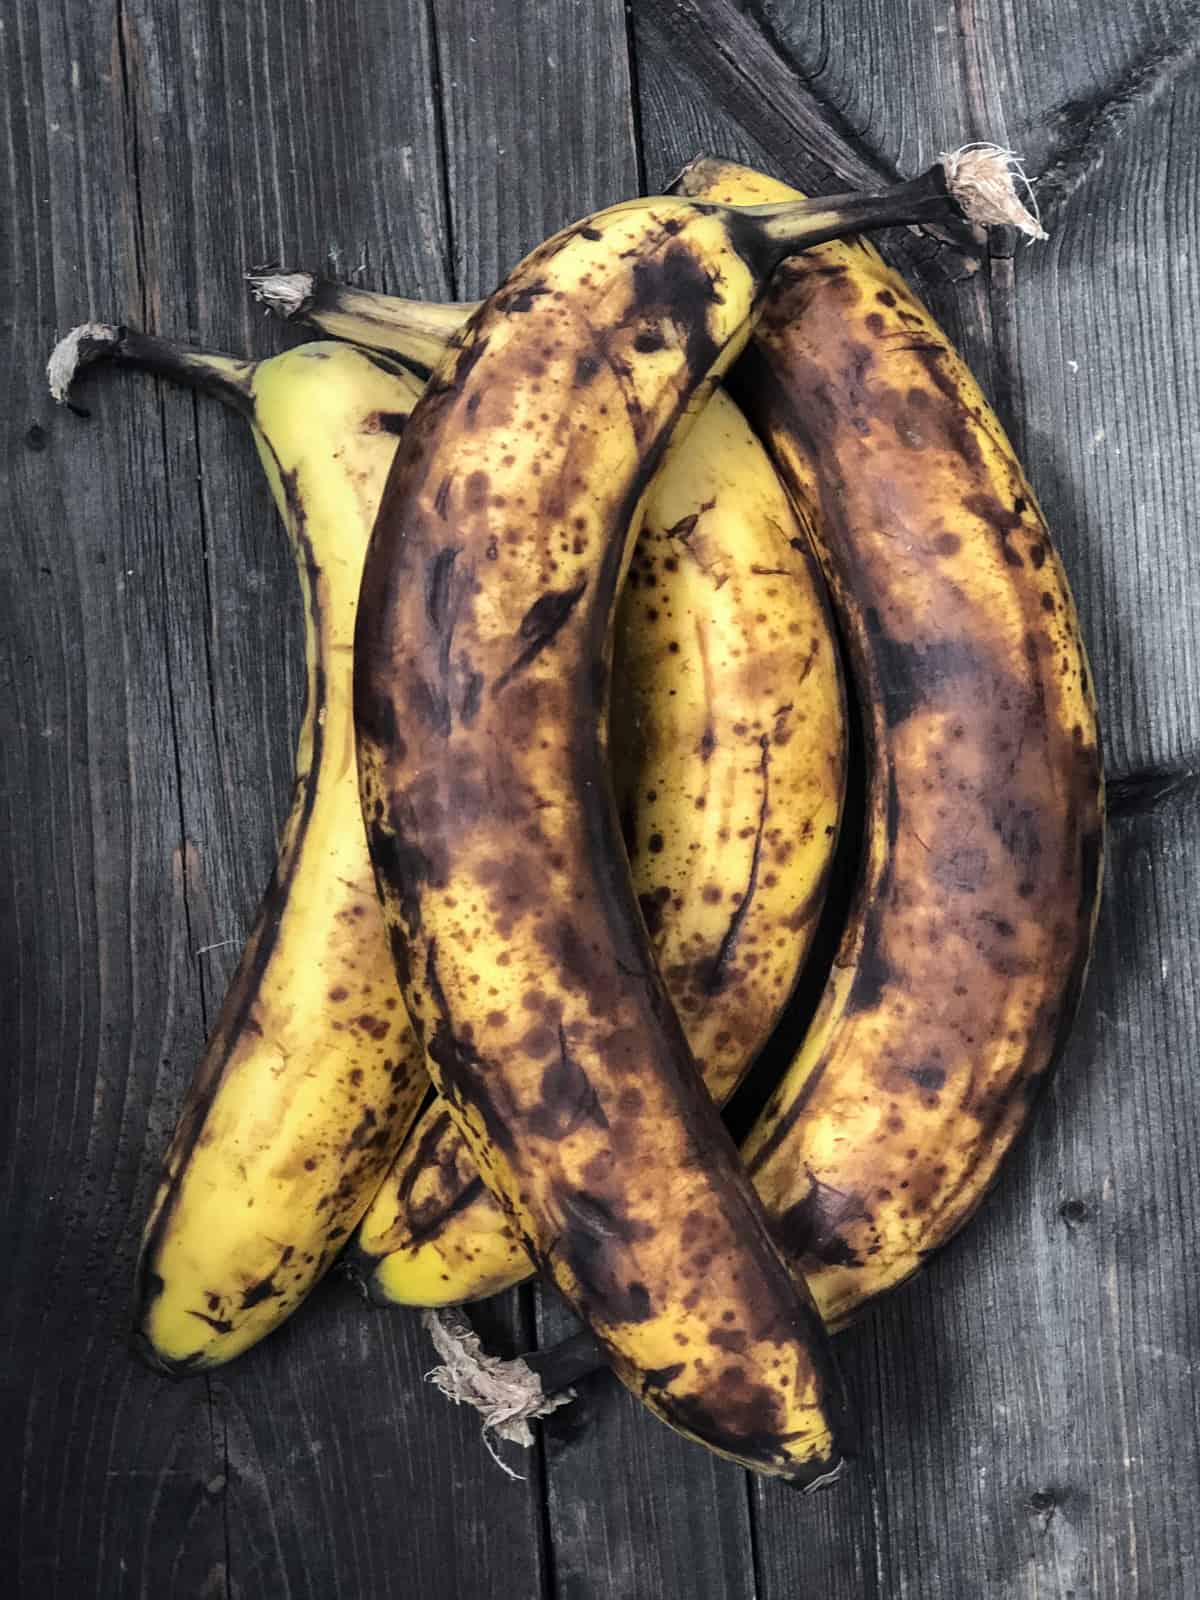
960, 969
728, 752
312, 1075
482, 668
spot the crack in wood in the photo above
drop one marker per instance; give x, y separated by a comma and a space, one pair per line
805, 137
436, 89
735, 57
1088, 127
1136, 793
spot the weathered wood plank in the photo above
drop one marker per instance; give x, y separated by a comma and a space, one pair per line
1107, 334
154, 151
912, 82
538, 124
106, 1471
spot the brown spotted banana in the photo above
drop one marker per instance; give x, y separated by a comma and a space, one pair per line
967, 943
959, 972
311, 1076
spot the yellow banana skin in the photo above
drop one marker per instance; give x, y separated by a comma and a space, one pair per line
747, 741
482, 663
729, 765
311, 1076
959, 973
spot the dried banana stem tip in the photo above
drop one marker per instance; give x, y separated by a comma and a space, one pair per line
507, 1394
983, 179
285, 293
88, 342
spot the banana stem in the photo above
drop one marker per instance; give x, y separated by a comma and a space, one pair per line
975, 182
789, 226
561, 1366
215, 373
416, 330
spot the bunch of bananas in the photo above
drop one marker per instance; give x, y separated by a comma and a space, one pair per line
569, 783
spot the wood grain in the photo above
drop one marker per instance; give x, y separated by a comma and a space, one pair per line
538, 124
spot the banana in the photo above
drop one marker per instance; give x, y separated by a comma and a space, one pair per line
728, 761
959, 972
728, 755
312, 1075
482, 662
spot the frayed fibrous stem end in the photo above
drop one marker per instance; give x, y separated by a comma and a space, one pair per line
286, 294
227, 377
507, 1394
90, 341
983, 179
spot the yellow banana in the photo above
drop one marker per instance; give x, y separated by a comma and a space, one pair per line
482, 661
728, 762
312, 1075
959, 973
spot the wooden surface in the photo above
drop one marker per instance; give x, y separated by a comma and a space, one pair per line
1030, 1406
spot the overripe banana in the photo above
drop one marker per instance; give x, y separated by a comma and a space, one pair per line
728, 759
959, 973
311, 1076
481, 686
728, 756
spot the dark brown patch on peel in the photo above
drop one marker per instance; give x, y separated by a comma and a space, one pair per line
546, 617
910, 676
928, 1077
265, 1289
812, 1228
220, 1325
662, 1377
389, 421
1003, 522
717, 972
466, 1077
593, 1243
732, 1339
568, 1097
522, 300
677, 287
955, 419
472, 697
735, 1415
